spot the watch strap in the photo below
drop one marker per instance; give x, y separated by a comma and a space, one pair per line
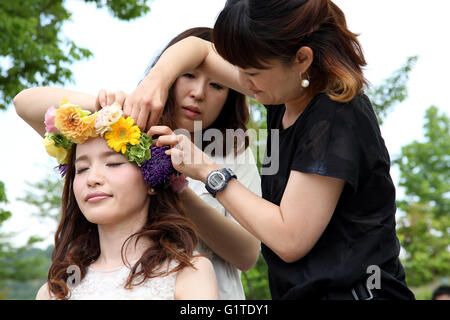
228, 174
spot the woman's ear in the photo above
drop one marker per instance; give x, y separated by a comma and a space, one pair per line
151, 191
304, 58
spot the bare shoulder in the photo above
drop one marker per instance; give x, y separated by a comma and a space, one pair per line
198, 282
43, 293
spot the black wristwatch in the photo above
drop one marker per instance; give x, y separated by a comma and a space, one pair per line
217, 180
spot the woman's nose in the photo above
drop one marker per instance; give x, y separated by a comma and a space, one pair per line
95, 176
198, 90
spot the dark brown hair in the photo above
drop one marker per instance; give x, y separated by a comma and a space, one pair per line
173, 237
250, 33
234, 114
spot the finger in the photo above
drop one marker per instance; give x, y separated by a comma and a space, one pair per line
102, 97
155, 114
160, 130
143, 118
110, 98
148, 126
134, 112
127, 106
176, 156
120, 98
168, 140
97, 104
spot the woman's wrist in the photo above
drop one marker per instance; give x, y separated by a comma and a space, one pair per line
206, 170
163, 78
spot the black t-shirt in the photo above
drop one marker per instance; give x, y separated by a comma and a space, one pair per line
340, 140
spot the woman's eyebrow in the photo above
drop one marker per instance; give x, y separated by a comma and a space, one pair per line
102, 155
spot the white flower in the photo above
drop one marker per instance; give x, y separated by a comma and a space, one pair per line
106, 117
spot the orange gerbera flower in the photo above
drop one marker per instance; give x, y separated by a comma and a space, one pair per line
68, 121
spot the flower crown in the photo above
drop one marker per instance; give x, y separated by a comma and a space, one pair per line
70, 124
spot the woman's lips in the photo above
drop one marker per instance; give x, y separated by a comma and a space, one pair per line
96, 197
191, 112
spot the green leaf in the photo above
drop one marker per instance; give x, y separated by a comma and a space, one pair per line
425, 177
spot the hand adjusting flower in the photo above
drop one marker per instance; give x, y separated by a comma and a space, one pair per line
70, 124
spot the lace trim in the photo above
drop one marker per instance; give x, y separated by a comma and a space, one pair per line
110, 285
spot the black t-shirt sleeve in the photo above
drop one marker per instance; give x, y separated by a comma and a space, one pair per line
328, 143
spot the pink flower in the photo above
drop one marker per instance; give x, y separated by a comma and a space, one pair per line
178, 183
50, 120
106, 117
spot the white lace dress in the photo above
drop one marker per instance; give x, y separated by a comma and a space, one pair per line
110, 285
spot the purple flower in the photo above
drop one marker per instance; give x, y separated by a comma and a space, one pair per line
62, 170
158, 169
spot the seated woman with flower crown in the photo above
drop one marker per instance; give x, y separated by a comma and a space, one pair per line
123, 233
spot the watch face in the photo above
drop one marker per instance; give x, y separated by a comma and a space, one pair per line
216, 180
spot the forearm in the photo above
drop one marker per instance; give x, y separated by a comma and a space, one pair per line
260, 217
31, 104
227, 239
195, 53
178, 59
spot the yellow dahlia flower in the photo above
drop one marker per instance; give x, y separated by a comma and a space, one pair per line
123, 132
69, 121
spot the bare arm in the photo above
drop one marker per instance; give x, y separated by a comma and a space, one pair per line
226, 238
31, 104
292, 229
197, 284
146, 103
43, 293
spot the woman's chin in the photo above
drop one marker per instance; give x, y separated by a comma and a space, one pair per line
104, 218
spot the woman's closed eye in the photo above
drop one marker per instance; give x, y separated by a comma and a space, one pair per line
189, 75
216, 86
111, 165
115, 164
81, 170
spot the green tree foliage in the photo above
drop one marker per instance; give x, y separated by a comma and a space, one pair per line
15, 262
255, 282
424, 228
33, 51
27, 290
124, 9
391, 91
45, 196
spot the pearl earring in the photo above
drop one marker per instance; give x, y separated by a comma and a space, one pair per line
305, 82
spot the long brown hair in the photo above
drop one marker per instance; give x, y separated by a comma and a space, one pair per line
250, 33
173, 237
234, 114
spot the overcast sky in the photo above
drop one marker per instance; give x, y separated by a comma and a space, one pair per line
390, 32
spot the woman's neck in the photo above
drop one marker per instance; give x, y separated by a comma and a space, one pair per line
113, 236
295, 108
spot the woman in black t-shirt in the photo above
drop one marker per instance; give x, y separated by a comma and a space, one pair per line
327, 216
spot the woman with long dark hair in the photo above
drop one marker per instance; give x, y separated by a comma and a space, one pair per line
194, 97
126, 240
327, 217
123, 233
